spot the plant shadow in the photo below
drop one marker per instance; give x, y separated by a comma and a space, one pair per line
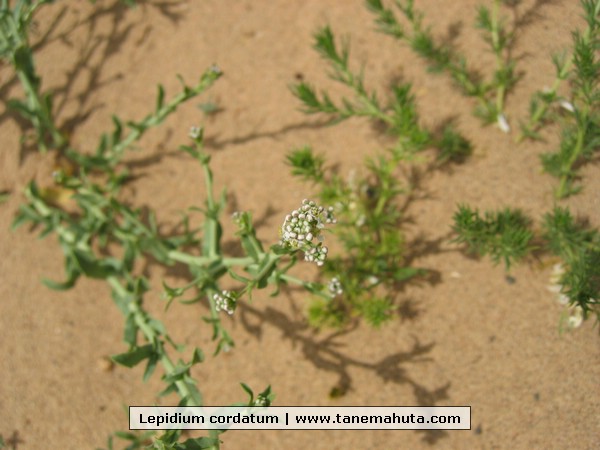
326, 353
97, 44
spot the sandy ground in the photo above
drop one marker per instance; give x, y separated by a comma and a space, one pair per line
469, 339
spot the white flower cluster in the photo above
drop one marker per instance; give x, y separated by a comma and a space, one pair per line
302, 226
335, 287
224, 301
574, 317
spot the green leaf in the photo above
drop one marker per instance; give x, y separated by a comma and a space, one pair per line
158, 326
93, 267
177, 374
118, 130
406, 273
22, 108
249, 391
171, 388
151, 366
58, 286
126, 435
131, 329
172, 293
376, 311
160, 98
504, 235
198, 356
306, 164
135, 356
239, 278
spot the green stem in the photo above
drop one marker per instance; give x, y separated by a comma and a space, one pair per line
272, 260
562, 188
136, 132
500, 65
304, 284
371, 109
151, 336
542, 107
207, 260
212, 224
14, 34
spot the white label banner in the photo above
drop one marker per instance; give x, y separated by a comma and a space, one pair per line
300, 418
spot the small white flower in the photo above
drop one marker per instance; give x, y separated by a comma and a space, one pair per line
575, 318
503, 123
195, 132
566, 105
555, 287
335, 287
373, 280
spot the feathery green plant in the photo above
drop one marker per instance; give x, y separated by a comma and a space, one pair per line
440, 57
504, 235
507, 236
578, 246
578, 62
580, 125
399, 114
364, 280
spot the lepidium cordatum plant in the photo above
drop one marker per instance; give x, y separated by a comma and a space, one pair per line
365, 280
101, 221
15, 49
16, 18
102, 237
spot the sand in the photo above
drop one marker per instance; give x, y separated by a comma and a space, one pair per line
471, 338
